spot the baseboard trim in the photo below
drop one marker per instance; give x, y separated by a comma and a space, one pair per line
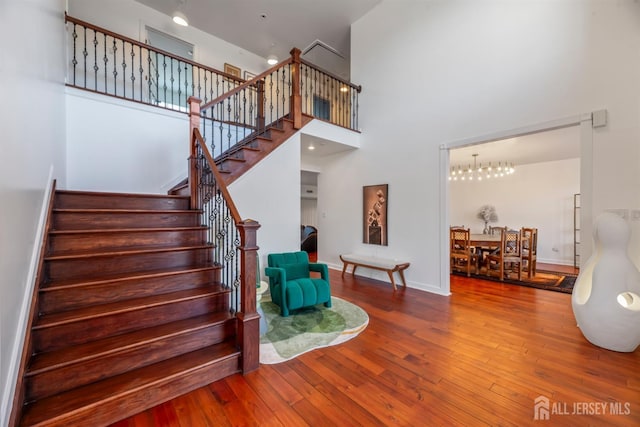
8, 393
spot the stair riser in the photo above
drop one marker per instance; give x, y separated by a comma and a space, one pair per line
100, 266
265, 145
97, 241
80, 332
182, 191
80, 200
69, 298
112, 410
110, 220
85, 372
251, 156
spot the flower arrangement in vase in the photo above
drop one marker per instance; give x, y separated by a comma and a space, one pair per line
487, 213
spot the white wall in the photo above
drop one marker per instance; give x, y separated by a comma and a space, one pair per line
475, 68
115, 145
129, 18
122, 146
32, 146
538, 195
270, 193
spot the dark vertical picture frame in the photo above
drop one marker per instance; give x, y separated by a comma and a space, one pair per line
375, 201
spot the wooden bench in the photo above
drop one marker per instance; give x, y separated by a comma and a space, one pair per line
383, 264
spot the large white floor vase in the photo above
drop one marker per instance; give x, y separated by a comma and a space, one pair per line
606, 295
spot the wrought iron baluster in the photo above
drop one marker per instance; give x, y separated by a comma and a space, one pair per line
85, 54
124, 71
304, 89
205, 87
219, 117
164, 79
193, 82
74, 35
133, 77
179, 84
149, 76
157, 82
271, 98
141, 71
115, 70
106, 61
95, 60
245, 125
228, 123
172, 81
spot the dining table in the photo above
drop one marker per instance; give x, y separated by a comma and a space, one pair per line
484, 243
484, 240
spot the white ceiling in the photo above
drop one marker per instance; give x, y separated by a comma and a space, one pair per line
559, 144
287, 24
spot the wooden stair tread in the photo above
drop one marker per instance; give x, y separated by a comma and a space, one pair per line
58, 358
119, 387
135, 250
125, 211
132, 195
102, 310
126, 230
53, 286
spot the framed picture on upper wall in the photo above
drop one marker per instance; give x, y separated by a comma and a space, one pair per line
232, 70
375, 200
248, 75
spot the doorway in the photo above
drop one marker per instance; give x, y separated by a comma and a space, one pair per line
309, 213
580, 129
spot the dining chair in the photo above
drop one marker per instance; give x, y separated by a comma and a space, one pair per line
509, 254
529, 250
462, 255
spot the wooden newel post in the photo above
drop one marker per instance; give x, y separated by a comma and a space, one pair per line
260, 123
194, 123
248, 318
296, 98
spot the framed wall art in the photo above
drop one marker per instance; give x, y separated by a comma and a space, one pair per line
232, 70
375, 222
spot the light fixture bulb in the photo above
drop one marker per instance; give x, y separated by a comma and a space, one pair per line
272, 59
180, 19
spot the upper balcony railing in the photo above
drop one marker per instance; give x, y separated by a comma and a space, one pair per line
104, 62
111, 64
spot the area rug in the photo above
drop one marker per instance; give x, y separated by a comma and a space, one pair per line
547, 280
307, 329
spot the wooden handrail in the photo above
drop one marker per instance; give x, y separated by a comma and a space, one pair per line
358, 88
196, 138
149, 47
246, 84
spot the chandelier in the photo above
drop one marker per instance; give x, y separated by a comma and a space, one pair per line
478, 172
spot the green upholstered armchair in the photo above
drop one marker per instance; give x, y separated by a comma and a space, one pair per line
291, 285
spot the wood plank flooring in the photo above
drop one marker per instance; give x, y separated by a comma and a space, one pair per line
478, 357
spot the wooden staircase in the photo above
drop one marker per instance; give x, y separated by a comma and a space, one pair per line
130, 310
247, 153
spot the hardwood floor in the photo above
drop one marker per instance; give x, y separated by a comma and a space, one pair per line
478, 357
